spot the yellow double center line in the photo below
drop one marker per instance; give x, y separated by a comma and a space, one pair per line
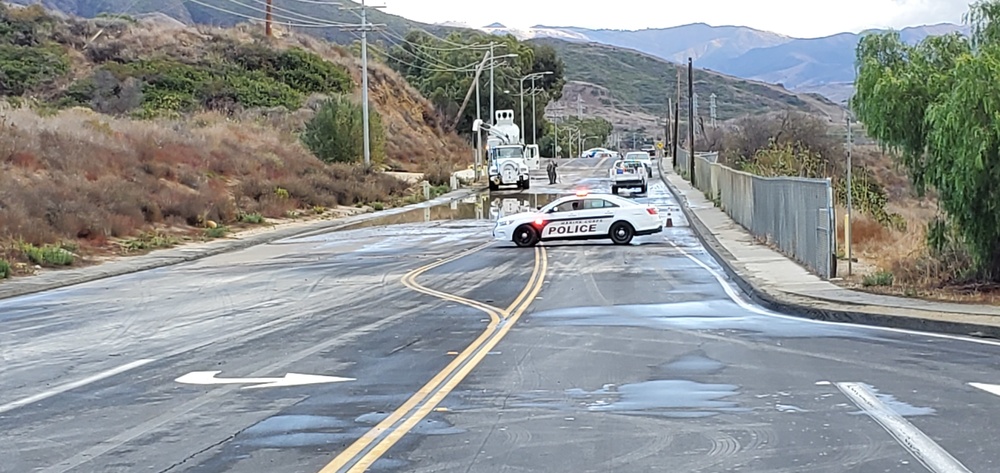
374, 443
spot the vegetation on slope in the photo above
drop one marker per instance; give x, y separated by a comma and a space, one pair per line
935, 103
644, 81
134, 139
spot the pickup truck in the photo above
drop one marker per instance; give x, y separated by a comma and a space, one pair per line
643, 158
628, 173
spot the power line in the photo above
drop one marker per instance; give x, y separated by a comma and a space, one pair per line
245, 16
304, 17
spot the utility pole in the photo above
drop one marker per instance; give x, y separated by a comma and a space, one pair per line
847, 228
492, 66
667, 139
267, 21
712, 108
677, 118
579, 107
365, 27
691, 120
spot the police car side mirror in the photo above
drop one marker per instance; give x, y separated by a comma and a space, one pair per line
539, 207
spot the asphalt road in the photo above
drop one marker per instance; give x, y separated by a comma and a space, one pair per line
451, 352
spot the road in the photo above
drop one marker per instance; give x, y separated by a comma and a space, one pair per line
443, 351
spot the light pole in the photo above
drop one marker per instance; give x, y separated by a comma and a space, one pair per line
531, 76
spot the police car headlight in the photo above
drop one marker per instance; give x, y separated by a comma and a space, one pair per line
505, 222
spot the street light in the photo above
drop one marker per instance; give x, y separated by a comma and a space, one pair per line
531, 76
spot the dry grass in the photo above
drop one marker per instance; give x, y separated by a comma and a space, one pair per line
80, 176
904, 254
415, 132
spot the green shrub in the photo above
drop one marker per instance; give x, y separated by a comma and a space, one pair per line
25, 67
298, 69
880, 278
217, 232
336, 133
5, 270
47, 255
254, 218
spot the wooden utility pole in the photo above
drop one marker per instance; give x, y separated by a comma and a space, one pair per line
267, 21
691, 121
677, 119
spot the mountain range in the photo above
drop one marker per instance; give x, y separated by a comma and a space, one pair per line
802, 65
820, 65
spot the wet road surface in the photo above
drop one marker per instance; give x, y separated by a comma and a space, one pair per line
451, 352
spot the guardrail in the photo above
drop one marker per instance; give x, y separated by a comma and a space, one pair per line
794, 214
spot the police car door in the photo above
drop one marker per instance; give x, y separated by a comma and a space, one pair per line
568, 220
600, 212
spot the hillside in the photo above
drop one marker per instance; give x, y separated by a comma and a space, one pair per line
642, 82
150, 133
232, 12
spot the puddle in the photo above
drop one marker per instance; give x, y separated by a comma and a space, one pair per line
299, 440
485, 206
298, 431
674, 398
427, 426
696, 315
692, 364
788, 408
668, 397
290, 423
900, 407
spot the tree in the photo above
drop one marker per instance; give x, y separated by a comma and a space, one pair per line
335, 134
443, 71
938, 103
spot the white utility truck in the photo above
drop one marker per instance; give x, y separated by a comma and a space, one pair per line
506, 159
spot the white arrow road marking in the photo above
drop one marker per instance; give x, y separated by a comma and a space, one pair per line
290, 379
990, 388
925, 450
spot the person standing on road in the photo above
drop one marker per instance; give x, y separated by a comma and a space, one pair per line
551, 169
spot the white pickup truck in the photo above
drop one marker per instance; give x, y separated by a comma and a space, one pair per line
628, 173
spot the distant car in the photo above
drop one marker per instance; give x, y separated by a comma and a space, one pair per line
581, 217
650, 150
628, 173
643, 158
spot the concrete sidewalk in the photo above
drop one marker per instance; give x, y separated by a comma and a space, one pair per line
55, 279
781, 284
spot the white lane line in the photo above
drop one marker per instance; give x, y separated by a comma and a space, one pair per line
73, 385
925, 450
738, 299
990, 388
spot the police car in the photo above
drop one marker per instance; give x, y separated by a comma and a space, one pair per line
581, 216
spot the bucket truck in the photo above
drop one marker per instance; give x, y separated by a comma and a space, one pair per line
505, 153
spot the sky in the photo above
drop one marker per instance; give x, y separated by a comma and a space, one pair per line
796, 18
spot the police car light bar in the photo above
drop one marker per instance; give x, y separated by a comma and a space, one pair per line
581, 193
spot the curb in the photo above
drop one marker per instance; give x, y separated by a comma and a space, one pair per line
22, 287
770, 302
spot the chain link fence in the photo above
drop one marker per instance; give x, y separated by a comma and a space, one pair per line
794, 214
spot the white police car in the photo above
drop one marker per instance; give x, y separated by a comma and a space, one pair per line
581, 217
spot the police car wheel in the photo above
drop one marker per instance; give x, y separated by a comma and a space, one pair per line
622, 233
525, 235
